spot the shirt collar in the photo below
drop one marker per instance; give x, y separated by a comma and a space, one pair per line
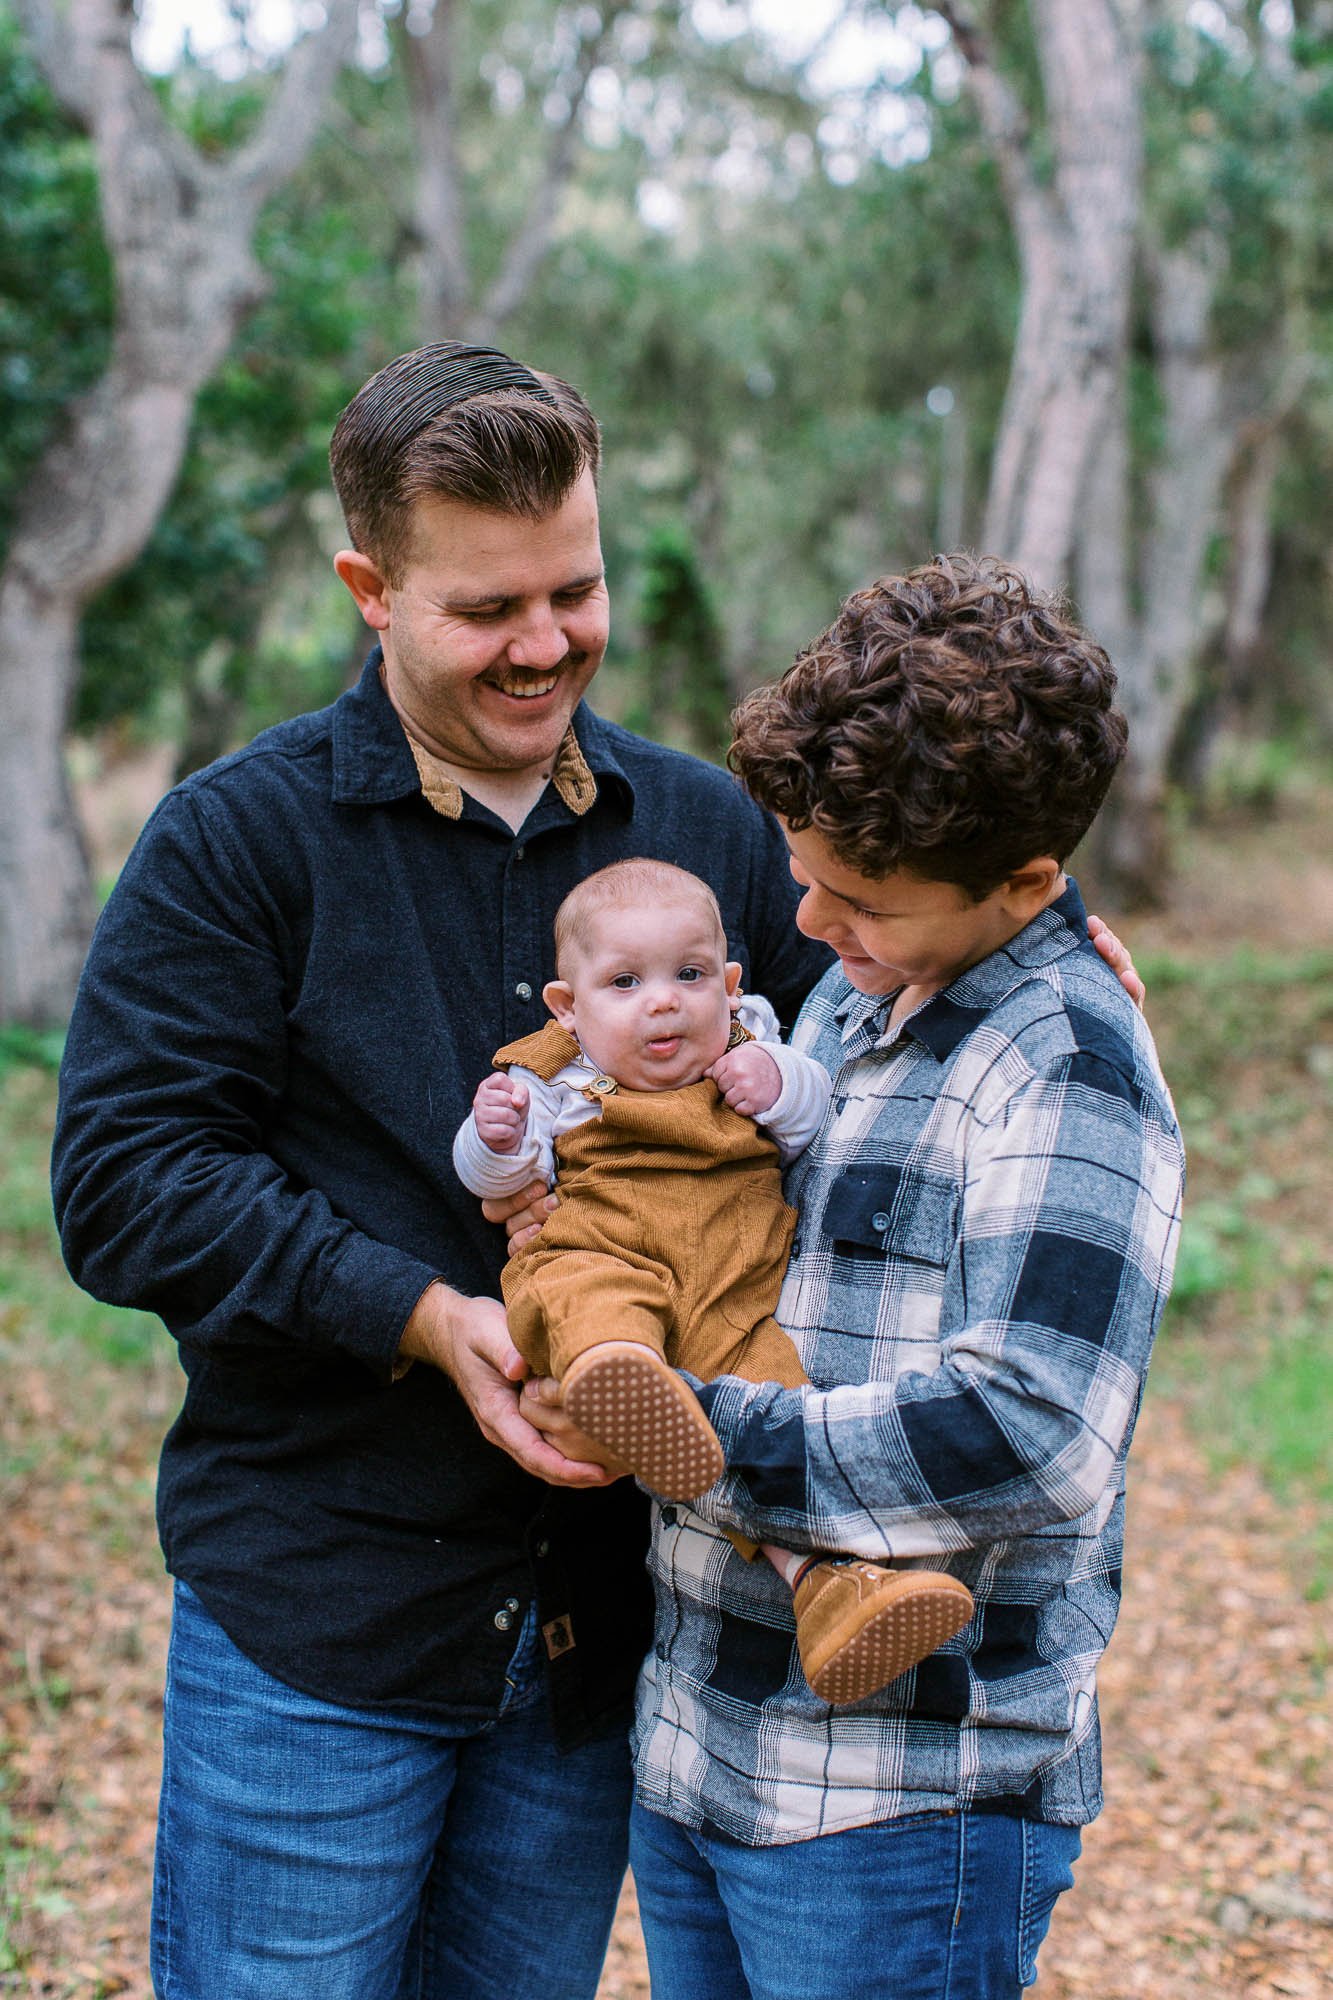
948, 1017
374, 759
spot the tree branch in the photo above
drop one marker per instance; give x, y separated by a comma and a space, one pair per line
531, 239
293, 114
1002, 116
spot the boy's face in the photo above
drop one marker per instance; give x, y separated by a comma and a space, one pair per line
647, 992
901, 930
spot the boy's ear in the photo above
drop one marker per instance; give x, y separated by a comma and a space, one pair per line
559, 997
1030, 888
731, 974
367, 586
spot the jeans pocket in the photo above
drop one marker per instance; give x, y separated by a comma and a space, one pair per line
1049, 1854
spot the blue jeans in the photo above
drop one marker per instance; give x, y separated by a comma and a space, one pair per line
306, 1849
936, 1907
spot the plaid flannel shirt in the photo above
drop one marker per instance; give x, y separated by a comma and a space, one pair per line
988, 1224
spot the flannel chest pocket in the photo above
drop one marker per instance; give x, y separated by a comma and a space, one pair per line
894, 1211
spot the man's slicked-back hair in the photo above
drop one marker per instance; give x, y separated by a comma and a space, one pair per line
954, 722
631, 885
461, 423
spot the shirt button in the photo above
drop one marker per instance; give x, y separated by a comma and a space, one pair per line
519, 852
542, 1549
879, 1220
523, 990
669, 1517
512, 1604
503, 1620
796, 1249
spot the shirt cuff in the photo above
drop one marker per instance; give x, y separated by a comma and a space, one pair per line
369, 1300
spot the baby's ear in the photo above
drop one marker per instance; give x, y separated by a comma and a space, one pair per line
731, 973
559, 997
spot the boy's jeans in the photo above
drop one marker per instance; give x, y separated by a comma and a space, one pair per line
310, 1850
936, 1907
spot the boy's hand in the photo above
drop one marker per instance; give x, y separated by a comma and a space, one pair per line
500, 1109
540, 1404
1118, 958
748, 1078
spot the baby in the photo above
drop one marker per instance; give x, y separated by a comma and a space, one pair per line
664, 1104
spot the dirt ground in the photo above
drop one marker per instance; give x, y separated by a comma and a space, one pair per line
1210, 1872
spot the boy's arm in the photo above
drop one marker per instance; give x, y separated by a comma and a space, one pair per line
488, 1173
1054, 1284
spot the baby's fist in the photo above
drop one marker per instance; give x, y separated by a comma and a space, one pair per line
748, 1078
500, 1109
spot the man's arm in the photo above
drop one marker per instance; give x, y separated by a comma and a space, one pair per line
1056, 1283
167, 1194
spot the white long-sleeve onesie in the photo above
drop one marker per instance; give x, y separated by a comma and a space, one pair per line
558, 1106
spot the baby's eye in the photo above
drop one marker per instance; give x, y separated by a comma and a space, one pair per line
689, 973
625, 981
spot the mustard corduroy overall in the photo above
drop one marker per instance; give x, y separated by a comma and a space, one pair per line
671, 1230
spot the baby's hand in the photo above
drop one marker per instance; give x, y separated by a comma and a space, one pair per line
500, 1108
748, 1078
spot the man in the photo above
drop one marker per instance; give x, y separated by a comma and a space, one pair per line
397, 1696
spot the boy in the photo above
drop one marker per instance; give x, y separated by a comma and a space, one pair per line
649, 1090
989, 1219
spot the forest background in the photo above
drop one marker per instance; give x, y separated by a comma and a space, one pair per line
846, 282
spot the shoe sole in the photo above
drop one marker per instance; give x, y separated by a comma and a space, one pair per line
631, 1402
906, 1631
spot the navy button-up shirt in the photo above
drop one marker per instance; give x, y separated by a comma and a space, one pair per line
291, 996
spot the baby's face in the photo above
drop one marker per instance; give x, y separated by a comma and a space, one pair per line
647, 994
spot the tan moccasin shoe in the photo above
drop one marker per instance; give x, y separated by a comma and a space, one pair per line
624, 1396
861, 1624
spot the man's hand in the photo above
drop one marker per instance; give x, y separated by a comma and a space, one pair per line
1118, 958
541, 1405
500, 1109
523, 1213
468, 1340
748, 1078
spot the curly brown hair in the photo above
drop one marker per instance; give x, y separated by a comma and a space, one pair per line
953, 722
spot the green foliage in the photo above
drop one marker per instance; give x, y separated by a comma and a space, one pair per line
55, 279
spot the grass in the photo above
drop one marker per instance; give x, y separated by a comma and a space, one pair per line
39, 1306
1246, 1041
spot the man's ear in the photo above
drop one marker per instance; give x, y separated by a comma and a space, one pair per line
367, 586
1032, 887
731, 974
559, 997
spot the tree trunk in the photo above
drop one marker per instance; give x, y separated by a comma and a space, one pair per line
1075, 237
1159, 656
46, 893
178, 228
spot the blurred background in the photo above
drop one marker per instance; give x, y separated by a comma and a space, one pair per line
846, 282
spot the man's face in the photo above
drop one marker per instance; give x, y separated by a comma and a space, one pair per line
894, 930
647, 992
496, 629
